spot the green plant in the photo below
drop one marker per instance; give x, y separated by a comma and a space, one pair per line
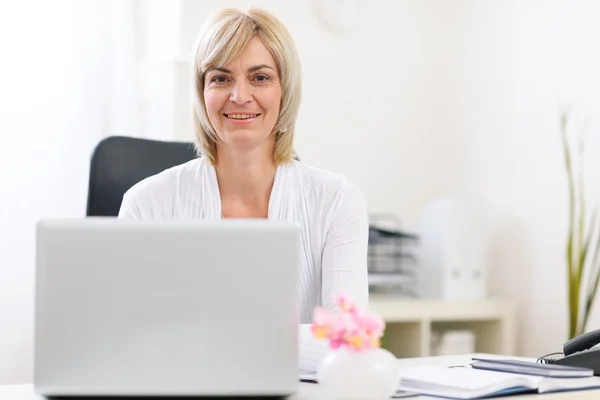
583, 244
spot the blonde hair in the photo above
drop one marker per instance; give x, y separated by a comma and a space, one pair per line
221, 39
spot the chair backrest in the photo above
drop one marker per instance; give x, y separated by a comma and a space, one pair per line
119, 162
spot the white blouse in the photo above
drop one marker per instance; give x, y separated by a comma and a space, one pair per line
329, 208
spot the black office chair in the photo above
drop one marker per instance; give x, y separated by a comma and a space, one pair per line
119, 162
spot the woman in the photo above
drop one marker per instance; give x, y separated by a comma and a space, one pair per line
247, 95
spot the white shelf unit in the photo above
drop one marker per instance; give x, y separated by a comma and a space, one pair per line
410, 323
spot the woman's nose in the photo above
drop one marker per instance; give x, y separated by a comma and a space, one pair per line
241, 93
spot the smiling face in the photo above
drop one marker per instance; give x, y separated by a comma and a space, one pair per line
243, 98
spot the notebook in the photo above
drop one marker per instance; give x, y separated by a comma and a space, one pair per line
470, 383
531, 368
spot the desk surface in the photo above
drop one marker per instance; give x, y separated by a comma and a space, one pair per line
311, 391
306, 391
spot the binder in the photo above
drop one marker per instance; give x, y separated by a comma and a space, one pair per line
531, 368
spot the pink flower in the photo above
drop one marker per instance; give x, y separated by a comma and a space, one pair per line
323, 322
344, 303
322, 316
352, 328
372, 323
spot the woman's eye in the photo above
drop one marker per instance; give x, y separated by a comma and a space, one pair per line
262, 78
219, 79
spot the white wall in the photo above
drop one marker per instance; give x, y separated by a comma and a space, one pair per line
370, 99
422, 99
439, 97
507, 67
53, 110
553, 63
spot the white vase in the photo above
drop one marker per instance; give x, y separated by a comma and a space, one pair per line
367, 375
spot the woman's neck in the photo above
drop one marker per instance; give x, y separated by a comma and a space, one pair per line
245, 184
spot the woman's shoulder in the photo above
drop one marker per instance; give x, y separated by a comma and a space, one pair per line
168, 179
158, 191
326, 185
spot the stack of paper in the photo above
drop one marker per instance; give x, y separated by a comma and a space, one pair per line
470, 383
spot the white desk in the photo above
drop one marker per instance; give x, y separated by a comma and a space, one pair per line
310, 391
306, 391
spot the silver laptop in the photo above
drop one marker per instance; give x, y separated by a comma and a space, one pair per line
148, 308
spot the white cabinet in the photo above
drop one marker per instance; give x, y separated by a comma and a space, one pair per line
410, 324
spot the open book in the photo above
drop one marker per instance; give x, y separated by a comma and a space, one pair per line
470, 383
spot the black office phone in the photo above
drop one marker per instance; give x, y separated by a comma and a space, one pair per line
580, 352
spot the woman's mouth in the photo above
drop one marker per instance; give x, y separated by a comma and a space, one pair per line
241, 117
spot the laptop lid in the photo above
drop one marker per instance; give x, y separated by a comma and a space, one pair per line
166, 308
